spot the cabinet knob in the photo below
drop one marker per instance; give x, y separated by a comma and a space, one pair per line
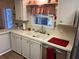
59, 51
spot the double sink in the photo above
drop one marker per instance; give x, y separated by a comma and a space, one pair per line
37, 34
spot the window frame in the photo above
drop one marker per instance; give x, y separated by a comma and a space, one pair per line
47, 16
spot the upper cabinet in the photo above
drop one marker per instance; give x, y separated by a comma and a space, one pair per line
21, 9
66, 12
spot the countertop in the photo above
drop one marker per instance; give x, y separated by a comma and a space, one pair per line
3, 31
63, 32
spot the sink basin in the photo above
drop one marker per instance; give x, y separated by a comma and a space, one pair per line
31, 33
36, 35
42, 36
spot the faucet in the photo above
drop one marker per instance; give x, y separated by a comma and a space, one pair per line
42, 30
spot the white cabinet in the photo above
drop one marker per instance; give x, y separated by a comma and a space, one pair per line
13, 42
24, 10
31, 49
25, 48
20, 10
65, 12
35, 50
4, 42
60, 54
16, 43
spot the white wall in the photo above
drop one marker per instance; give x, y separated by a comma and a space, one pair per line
66, 10
65, 13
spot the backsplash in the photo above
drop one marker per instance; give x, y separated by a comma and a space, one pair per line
59, 31
37, 27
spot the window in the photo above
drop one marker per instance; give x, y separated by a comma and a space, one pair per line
8, 18
43, 19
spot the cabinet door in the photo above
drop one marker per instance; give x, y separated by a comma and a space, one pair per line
66, 11
35, 50
4, 42
18, 9
25, 47
24, 10
18, 42
60, 54
13, 42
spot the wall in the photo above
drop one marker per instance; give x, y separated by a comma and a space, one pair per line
0, 18
66, 11
4, 4
33, 26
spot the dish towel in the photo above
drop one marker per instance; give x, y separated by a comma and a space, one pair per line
50, 53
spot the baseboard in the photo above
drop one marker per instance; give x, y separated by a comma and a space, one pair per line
5, 52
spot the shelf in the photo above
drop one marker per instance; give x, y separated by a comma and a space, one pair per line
55, 3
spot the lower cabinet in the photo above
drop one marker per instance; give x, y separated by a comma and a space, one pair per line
27, 47
16, 43
31, 49
4, 42
13, 42
60, 54
35, 50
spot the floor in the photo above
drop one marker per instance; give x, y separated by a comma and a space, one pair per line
11, 55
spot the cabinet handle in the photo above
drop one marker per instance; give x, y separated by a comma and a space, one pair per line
59, 51
45, 46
